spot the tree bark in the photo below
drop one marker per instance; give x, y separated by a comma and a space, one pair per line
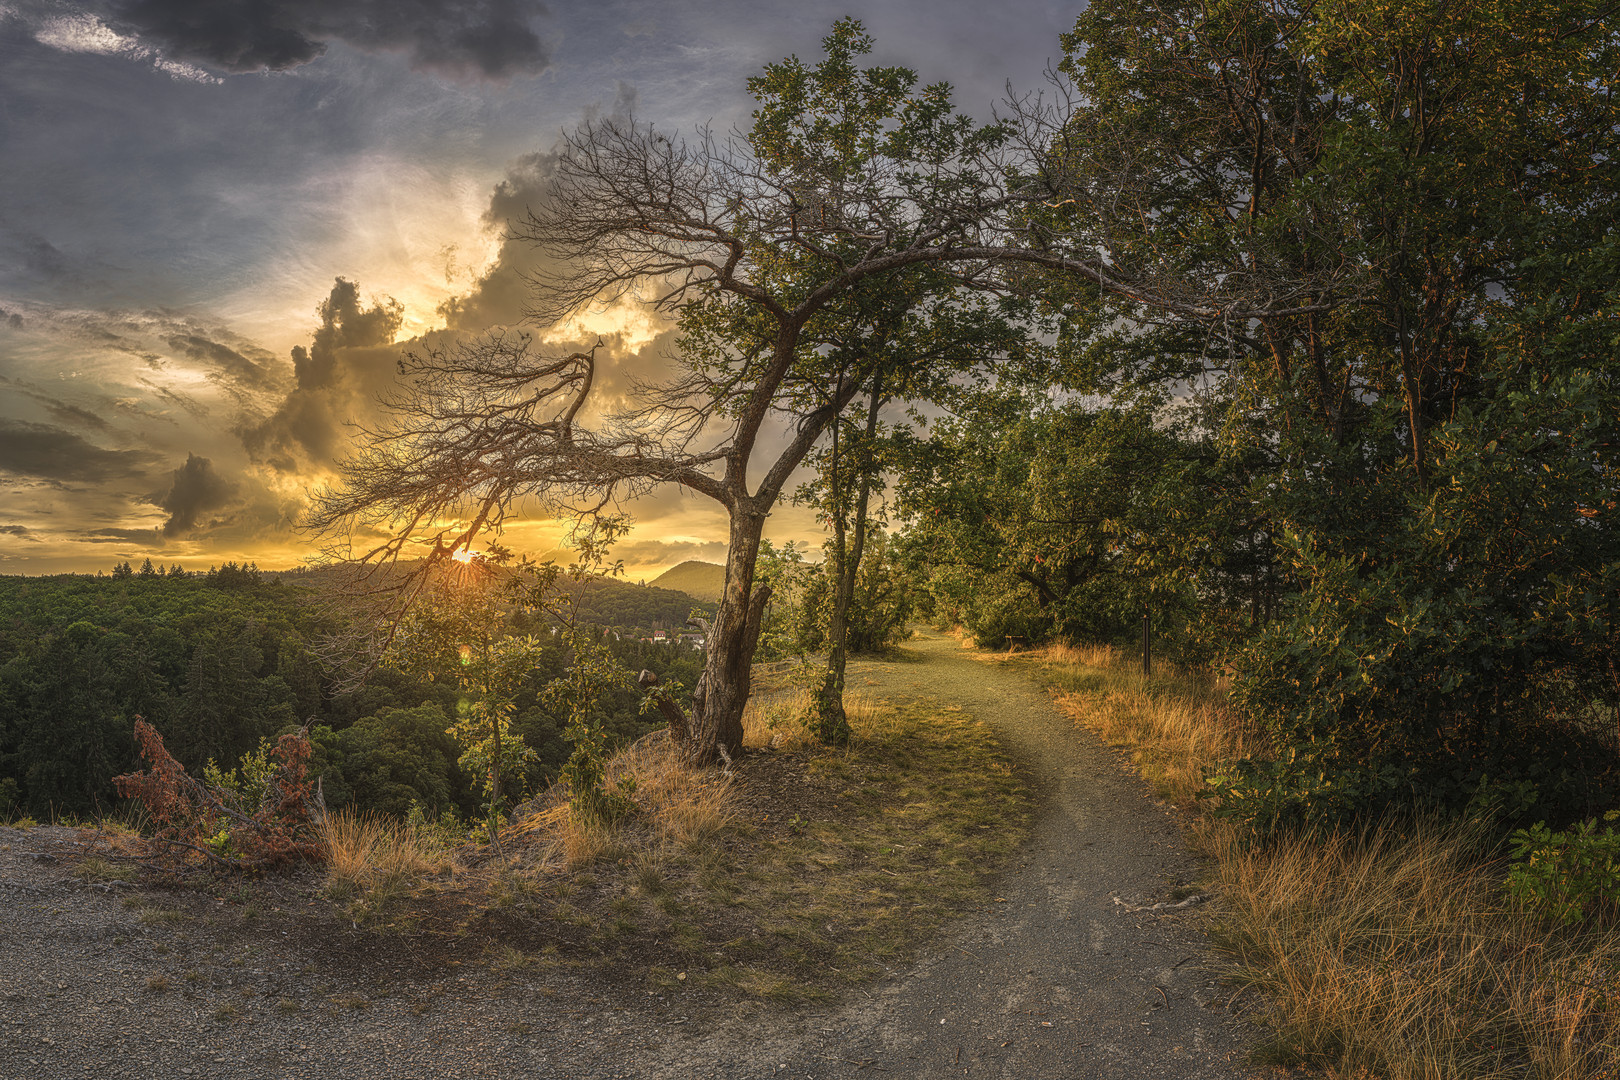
722, 690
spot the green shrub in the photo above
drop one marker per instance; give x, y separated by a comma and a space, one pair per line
1566, 875
1310, 788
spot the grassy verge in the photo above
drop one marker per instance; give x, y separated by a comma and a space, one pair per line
803, 870
1392, 954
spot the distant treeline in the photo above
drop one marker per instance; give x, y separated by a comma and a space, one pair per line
220, 661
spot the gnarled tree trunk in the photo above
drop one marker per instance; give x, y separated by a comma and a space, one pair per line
716, 729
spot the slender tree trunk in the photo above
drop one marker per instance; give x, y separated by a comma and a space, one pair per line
833, 722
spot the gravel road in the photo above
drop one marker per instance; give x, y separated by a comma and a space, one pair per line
1053, 979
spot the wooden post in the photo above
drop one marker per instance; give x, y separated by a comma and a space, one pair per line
1147, 649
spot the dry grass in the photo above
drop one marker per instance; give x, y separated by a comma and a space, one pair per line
1174, 724
775, 720
557, 838
683, 805
95, 868
1390, 956
1393, 956
675, 805
375, 860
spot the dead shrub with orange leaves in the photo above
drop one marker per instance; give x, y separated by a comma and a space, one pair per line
197, 820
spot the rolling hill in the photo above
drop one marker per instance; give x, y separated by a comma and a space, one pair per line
700, 580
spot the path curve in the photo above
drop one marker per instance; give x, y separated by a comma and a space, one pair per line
1056, 980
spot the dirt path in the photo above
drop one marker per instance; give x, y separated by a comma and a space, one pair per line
1053, 980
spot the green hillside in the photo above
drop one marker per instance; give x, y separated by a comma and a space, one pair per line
703, 580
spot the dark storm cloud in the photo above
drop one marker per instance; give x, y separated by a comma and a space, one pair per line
502, 293
197, 489
22, 532
11, 318
143, 537
490, 38
225, 359
349, 360
31, 257
53, 454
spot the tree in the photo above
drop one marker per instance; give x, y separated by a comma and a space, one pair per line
1038, 519
849, 176
401, 757
458, 633
1432, 190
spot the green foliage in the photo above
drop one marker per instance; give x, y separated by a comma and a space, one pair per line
1567, 875
1429, 439
1037, 521
579, 692
247, 783
880, 606
213, 669
458, 633
399, 759
1307, 789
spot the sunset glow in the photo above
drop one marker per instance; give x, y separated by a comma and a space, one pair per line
214, 250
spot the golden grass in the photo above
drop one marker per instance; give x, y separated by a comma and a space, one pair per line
1392, 955
1174, 724
375, 859
95, 868
683, 805
776, 720
675, 803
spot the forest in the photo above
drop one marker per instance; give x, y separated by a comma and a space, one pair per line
221, 663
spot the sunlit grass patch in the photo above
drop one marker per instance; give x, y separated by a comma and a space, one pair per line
776, 719
154, 916
906, 827
374, 861
800, 870
683, 805
1175, 724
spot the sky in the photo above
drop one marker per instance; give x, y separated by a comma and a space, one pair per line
222, 220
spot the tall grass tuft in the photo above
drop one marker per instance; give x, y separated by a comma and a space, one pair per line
682, 804
675, 804
375, 857
777, 720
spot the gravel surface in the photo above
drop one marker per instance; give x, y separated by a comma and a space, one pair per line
1055, 978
